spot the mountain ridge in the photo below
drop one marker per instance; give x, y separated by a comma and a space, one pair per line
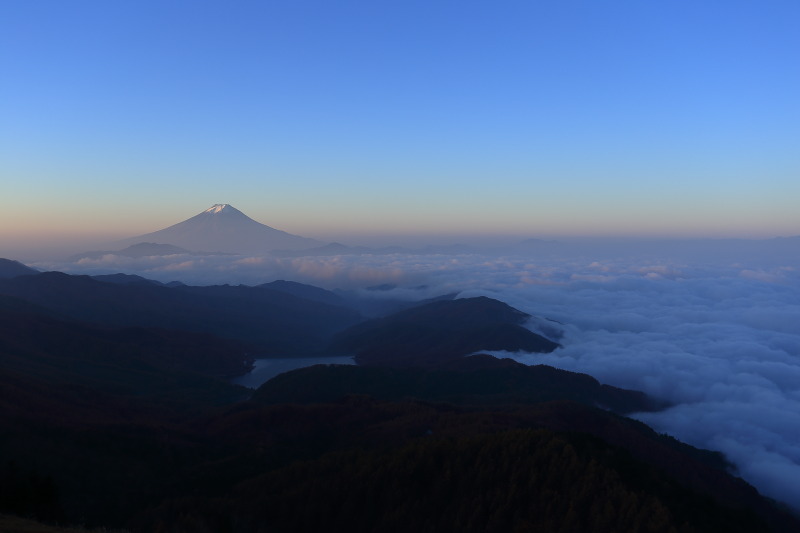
223, 228
10, 268
439, 331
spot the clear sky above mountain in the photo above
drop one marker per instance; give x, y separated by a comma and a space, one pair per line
328, 119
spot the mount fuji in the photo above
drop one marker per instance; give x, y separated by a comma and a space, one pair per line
223, 228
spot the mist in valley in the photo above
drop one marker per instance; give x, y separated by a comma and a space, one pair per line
709, 326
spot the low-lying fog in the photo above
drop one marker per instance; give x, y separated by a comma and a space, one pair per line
712, 326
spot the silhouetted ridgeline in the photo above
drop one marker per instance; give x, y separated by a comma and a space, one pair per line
11, 269
115, 412
271, 322
476, 380
441, 331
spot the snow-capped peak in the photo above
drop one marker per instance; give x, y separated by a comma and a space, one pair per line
216, 208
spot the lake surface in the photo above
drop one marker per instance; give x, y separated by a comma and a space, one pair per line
266, 369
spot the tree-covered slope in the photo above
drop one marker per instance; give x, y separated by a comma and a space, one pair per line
440, 331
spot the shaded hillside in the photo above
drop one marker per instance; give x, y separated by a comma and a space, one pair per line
11, 269
272, 322
524, 480
302, 290
19, 305
86, 411
370, 306
440, 331
129, 456
476, 380
43, 352
16, 524
365, 465
125, 279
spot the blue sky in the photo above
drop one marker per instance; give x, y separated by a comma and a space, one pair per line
337, 119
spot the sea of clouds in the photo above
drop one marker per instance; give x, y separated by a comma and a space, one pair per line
719, 339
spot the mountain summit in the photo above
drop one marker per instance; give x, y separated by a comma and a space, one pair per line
223, 228
219, 208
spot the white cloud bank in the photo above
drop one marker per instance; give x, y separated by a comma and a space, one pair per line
722, 346
719, 340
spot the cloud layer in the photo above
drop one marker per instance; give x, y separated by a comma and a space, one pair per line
721, 341
722, 346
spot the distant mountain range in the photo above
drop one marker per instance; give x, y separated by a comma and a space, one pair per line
11, 269
286, 318
272, 322
223, 228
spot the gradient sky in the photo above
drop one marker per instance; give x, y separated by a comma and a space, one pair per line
330, 119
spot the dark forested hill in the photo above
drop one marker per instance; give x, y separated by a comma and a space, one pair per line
476, 380
308, 292
86, 411
11, 269
42, 351
271, 322
440, 331
359, 464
